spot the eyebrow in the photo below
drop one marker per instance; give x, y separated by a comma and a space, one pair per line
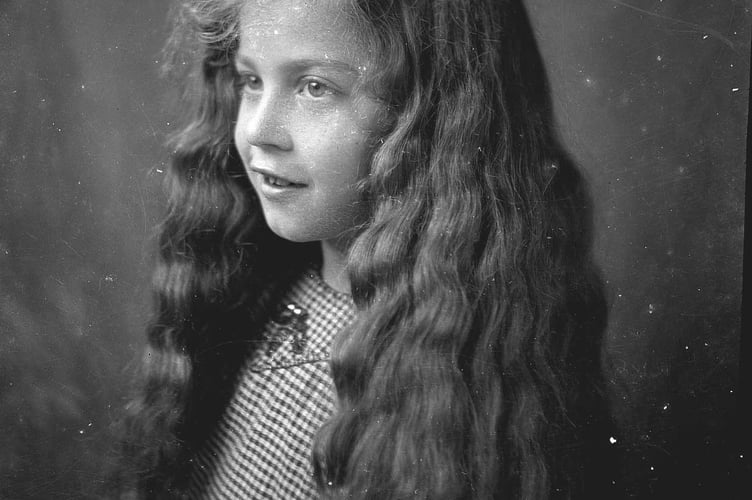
306, 63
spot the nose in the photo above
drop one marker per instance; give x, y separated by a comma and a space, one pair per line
263, 121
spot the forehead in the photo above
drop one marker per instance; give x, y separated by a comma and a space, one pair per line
311, 28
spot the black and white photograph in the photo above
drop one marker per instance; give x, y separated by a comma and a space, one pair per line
374, 249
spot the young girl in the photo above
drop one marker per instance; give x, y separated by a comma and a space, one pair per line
375, 277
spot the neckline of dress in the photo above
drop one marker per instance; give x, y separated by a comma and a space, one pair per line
314, 272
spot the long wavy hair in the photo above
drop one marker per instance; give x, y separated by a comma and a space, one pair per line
473, 369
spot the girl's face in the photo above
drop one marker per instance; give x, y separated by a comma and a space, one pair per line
305, 129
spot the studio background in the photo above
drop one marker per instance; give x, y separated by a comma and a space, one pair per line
651, 97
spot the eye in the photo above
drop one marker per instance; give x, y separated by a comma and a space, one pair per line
316, 88
249, 82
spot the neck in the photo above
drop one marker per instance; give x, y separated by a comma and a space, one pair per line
334, 258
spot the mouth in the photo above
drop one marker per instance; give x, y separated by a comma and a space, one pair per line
279, 181
276, 181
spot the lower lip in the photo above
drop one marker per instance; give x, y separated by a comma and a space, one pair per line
273, 191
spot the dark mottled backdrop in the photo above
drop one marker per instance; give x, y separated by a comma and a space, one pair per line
651, 96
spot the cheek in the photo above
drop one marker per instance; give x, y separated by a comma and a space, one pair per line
343, 151
352, 158
356, 141
237, 132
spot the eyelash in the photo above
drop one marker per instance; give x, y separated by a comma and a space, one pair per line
323, 88
247, 82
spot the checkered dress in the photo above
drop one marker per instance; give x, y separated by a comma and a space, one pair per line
262, 446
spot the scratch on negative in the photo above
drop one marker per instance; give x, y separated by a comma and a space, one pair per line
695, 27
71, 247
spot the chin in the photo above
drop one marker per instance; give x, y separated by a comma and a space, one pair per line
291, 232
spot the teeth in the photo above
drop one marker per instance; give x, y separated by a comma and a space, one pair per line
275, 181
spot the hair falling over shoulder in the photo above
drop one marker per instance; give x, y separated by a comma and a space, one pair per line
218, 268
473, 368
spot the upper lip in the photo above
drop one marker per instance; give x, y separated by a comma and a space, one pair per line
269, 173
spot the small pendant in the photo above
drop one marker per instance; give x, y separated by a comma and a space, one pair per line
290, 324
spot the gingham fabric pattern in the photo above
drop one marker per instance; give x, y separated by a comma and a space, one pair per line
262, 446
